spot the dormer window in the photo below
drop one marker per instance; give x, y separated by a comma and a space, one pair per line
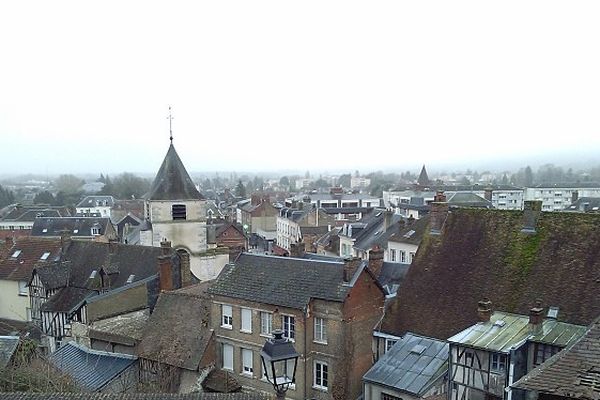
95, 231
179, 211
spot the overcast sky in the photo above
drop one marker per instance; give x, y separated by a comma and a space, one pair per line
260, 85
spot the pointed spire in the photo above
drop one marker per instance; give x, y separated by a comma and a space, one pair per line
170, 118
423, 178
172, 181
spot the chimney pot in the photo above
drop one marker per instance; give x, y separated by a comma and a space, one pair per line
536, 317
439, 213
165, 245
484, 310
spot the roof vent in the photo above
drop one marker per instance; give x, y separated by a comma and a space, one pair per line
418, 349
500, 323
552, 312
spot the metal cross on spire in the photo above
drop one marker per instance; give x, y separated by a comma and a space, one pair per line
170, 118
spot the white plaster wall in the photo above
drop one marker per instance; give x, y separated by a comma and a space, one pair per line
208, 267
12, 305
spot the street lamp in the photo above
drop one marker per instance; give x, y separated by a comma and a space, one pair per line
279, 359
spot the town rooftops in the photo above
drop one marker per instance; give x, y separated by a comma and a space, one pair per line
71, 226
283, 281
20, 213
90, 369
585, 204
572, 373
178, 331
467, 199
506, 331
124, 328
96, 201
172, 181
412, 365
24, 254
410, 231
134, 396
484, 253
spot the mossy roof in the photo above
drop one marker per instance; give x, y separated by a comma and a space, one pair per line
483, 253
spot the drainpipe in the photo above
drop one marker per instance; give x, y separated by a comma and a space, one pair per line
511, 373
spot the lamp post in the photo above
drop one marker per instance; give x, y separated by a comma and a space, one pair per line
279, 359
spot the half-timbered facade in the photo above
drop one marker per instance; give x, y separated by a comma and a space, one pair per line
489, 356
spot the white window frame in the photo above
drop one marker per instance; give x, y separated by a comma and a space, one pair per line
247, 362
266, 323
289, 327
389, 343
402, 256
246, 318
393, 255
227, 356
320, 330
226, 316
322, 376
23, 289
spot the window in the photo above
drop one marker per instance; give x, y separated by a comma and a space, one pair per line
266, 323
392, 255
320, 332
389, 343
227, 356
320, 375
543, 352
178, 211
246, 320
402, 256
288, 326
385, 396
247, 362
227, 319
45, 256
16, 254
23, 291
498, 362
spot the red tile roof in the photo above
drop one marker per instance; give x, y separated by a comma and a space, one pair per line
29, 252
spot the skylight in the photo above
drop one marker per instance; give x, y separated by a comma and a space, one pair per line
552, 312
44, 230
16, 254
75, 230
409, 234
93, 274
500, 323
131, 278
45, 256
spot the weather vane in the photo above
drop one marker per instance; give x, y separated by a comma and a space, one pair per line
170, 118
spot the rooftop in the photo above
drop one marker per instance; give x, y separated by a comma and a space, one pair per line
172, 181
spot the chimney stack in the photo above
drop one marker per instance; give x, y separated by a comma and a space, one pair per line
186, 270
376, 260
297, 249
488, 194
484, 310
255, 199
531, 213
536, 318
165, 273
165, 246
387, 219
439, 213
574, 196
350, 267
112, 246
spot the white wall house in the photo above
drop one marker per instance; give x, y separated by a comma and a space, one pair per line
557, 198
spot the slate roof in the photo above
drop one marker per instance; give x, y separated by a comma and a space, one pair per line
74, 226
31, 251
19, 213
172, 181
374, 235
8, 345
404, 235
178, 331
66, 299
572, 373
465, 199
483, 253
501, 337
392, 275
412, 365
96, 201
585, 204
90, 369
283, 281
134, 396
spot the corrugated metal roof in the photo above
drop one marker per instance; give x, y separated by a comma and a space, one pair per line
90, 369
501, 337
409, 368
8, 345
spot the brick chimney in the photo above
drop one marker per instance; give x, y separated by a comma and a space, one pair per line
536, 318
112, 246
376, 260
350, 267
487, 194
484, 310
297, 249
165, 273
531, 213
439, 213
574, 196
